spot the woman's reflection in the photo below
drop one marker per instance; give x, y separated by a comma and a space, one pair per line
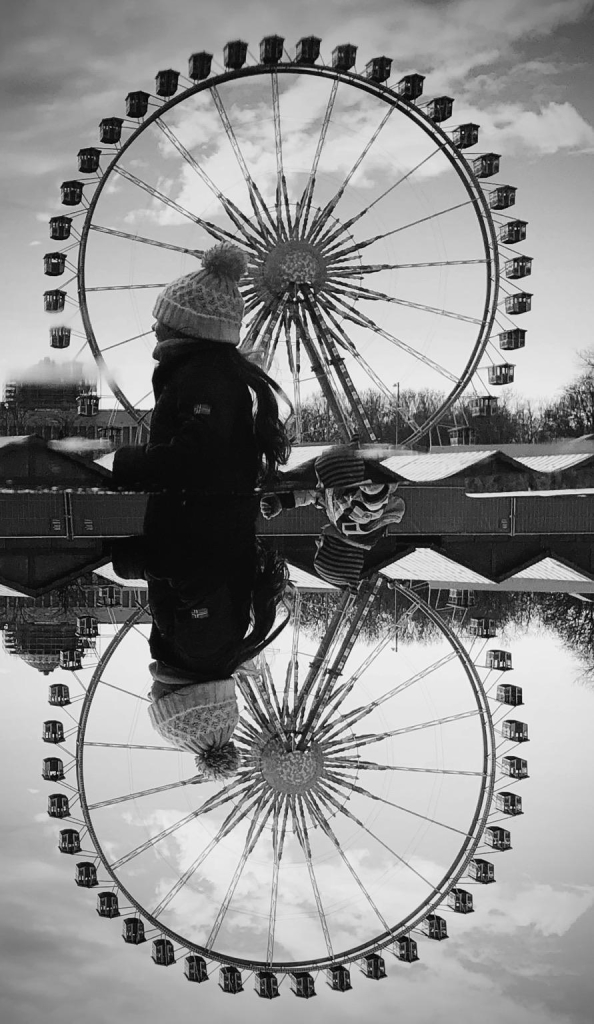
215, 593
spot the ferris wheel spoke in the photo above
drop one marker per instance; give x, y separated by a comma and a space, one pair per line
79, 681
327, 342
287, 691
321, 372
360, 319
301, 830
351, 718
272, 696
323, 216
325, 787
130, 693
319, 663
126, 341
353, 269
314, 805
344, 340
370, 294
263, 317
281, 807
253, 707
270, 338
239, 219
246, 728
261, 211
332, 252
282, 197
264, 807
344, 228
236, 815
340, 746
362, 791
130, 746
250, 339
235, 789
220, 234
258, 689
327, 682
124, 287
291, 676
373, 766
335, 699
294, 359
304, 204
294, 664
254, 298
146, 792
147, 241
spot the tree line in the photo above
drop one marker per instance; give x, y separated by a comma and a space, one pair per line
568, 617
516, 419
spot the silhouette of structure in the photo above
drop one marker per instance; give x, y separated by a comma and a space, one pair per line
55, 401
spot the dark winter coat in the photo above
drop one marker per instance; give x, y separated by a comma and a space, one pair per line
200, 563
202, 431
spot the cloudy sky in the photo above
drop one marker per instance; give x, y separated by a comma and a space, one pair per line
521, 70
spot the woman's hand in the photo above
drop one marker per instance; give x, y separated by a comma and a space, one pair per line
270, 506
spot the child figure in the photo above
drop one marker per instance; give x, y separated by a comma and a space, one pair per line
359, 498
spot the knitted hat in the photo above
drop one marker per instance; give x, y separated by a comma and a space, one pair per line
207, 304
201, 718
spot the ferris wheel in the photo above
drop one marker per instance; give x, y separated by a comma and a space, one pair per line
374, 778
374, 244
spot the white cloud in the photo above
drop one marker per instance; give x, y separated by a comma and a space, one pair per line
511, 129
543, 908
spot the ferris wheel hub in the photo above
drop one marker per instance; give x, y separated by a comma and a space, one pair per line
291, 771
293, 263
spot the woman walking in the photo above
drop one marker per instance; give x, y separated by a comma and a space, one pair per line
216, 425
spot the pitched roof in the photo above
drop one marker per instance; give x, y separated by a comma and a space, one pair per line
426, 564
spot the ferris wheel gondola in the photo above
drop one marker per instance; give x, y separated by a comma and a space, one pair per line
373, 241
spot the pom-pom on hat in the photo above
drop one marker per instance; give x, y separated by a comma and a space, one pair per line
207, 304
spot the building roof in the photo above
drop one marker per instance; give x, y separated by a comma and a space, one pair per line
544, 574
426, 564
435, 466
307, 581
550, 569
108, 572
441, 463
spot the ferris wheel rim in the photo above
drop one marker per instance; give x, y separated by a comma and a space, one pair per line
379, 942
431, 128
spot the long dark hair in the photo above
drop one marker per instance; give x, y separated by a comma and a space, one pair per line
272, 438
269, 586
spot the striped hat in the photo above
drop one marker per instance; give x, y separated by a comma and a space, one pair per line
337, 561
340, 467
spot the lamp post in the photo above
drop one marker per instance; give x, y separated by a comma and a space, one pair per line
397, 386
